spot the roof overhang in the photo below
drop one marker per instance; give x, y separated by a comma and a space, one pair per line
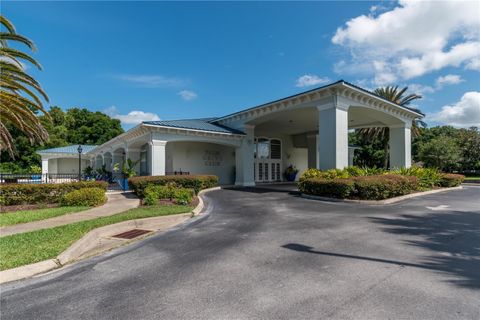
339, 88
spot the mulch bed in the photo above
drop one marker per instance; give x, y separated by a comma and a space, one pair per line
21, 207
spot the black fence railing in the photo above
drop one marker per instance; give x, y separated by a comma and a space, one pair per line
115, 180
38, 177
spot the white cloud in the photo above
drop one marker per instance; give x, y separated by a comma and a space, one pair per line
412, 39
152, 81
464, 113
187, 95
448, 79
133, 117
308, 80
420, 89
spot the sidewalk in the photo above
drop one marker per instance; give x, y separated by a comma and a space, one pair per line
116, 203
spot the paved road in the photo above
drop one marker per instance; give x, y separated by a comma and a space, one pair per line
272, 255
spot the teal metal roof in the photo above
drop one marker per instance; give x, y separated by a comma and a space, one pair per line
68, 149
204, 124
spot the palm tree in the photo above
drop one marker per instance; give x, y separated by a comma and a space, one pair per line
391, 93
19, 92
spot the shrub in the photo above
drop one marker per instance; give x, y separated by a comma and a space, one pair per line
451, 180
341, 173
338, 188
428, 177
184, 196
195, 182
17, 194
380, 187
154, 193
84, 197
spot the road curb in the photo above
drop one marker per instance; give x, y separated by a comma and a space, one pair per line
100, 237
379, 202
198, 209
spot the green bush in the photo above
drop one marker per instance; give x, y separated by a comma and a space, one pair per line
154, 193
45, 193
337, 188
428, 177
89, 197
451, 180
385, 186
341, 173
184, 196
195, 182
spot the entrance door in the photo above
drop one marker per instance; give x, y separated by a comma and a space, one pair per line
268, 160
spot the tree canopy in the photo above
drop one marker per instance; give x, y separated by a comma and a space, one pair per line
74, 126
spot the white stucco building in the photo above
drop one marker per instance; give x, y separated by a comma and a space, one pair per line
307, 130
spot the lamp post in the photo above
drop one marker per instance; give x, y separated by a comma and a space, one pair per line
79, 149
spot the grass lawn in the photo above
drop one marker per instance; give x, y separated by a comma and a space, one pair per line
25, 248
15, 217
472, 178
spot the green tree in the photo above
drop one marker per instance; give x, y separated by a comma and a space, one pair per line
469, 142
382, 134
75, 126
20, 93
441, 152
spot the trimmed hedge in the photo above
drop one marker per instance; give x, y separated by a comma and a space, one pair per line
195, 182
375, 187
337, 188
385, 186
451, 180
89, 197
48, 193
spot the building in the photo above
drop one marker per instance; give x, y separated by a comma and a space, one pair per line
307, 130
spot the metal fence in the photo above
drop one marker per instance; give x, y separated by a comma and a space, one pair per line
38, 177
116, 180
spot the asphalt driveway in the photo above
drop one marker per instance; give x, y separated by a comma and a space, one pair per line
266, 253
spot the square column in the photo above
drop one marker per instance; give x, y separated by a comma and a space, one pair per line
244, 159
44, 166
400, 146
332, 136
156, 157
312, 147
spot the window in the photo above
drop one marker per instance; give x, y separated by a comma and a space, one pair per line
276, 149
268, 149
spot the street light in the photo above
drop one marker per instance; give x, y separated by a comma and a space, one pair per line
79, 149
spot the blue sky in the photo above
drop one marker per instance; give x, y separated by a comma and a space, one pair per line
148, 60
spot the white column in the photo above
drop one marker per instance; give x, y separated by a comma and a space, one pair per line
44, 169
333, 136
156, 157
312, 146
244, 160
400, 146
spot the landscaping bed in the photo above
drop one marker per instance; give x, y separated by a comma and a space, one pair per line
26, 248
374, 184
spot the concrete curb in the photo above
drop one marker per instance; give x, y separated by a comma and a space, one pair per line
28, 271
379, 202
99, 240
201, 204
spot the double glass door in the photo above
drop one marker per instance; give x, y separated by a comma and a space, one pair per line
268, 160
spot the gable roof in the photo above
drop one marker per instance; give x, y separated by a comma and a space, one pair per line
319, 88
72, 149
203, 124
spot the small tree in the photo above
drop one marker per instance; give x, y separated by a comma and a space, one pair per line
442, 152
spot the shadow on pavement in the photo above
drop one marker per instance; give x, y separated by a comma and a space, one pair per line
452, 237
281, 188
